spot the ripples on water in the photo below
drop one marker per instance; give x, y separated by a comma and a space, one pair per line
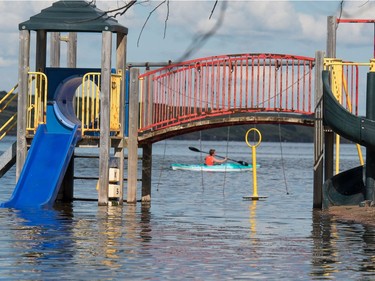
197, 227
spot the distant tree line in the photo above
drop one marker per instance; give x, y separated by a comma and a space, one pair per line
270, 133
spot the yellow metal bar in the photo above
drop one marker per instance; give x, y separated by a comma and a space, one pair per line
9, 121
9, 93
334, 61
8, 102
255, 183
90, 101
97, 103
115, 101
349, 103
10, 127
337, 170
37, 100
254, 162
338, 82
372, 65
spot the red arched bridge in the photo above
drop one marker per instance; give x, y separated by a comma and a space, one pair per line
225, 90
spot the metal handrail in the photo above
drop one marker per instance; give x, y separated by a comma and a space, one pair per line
12, 121
37, 100
88, 102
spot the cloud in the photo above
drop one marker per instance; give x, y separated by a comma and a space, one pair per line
292, 27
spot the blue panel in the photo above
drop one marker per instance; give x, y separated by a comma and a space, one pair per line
58, 76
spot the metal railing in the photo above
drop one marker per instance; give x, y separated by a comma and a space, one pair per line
12, 121
189, 91
345, 83
345, 86
36, 101
88, 102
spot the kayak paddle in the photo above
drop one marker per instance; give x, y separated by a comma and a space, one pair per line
243, 163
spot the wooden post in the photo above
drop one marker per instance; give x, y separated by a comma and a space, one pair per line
72, 50
41, 50
55, 49
329, 135
105, 117
318, 132
370, 153
133, 136
119, 150
146, 172
66, 192
23, 68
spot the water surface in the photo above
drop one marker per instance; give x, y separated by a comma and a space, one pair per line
197, 226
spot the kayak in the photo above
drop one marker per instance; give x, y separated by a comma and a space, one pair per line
226, 167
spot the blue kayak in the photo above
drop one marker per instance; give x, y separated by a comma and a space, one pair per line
226, 167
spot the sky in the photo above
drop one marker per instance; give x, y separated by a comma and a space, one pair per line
174, 32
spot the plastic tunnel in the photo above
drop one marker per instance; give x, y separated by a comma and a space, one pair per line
348, 187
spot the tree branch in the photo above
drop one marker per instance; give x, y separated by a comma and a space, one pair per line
148, 17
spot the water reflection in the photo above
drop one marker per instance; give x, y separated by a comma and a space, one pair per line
146, 230
197, 228
324, 234
110, 233
40, 237
253, 225
333, 240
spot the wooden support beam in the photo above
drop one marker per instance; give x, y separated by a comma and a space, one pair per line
133, 136
146, 172
41, 50
105, 117
329, 135
72, 50
55, 49
318, 132
23, 68
119, 148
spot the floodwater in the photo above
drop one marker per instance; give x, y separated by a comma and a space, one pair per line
197, 227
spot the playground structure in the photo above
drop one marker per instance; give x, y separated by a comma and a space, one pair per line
114, 109
48, 96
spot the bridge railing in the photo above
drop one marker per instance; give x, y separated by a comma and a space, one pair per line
215, 86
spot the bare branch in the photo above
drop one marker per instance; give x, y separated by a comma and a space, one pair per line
364, 3
213, 9
148, 17
201, 39
166, 20
124, 8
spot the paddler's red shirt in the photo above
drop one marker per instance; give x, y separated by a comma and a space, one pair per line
209, 160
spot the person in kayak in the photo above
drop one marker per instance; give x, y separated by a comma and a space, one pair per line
212, 160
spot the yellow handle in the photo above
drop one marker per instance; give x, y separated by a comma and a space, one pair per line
253, 150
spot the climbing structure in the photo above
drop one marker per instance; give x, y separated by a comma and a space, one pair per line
68, 106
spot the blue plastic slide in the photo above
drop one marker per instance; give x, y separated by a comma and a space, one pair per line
46, 163
44, 169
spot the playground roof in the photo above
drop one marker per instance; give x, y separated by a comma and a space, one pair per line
73, 16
